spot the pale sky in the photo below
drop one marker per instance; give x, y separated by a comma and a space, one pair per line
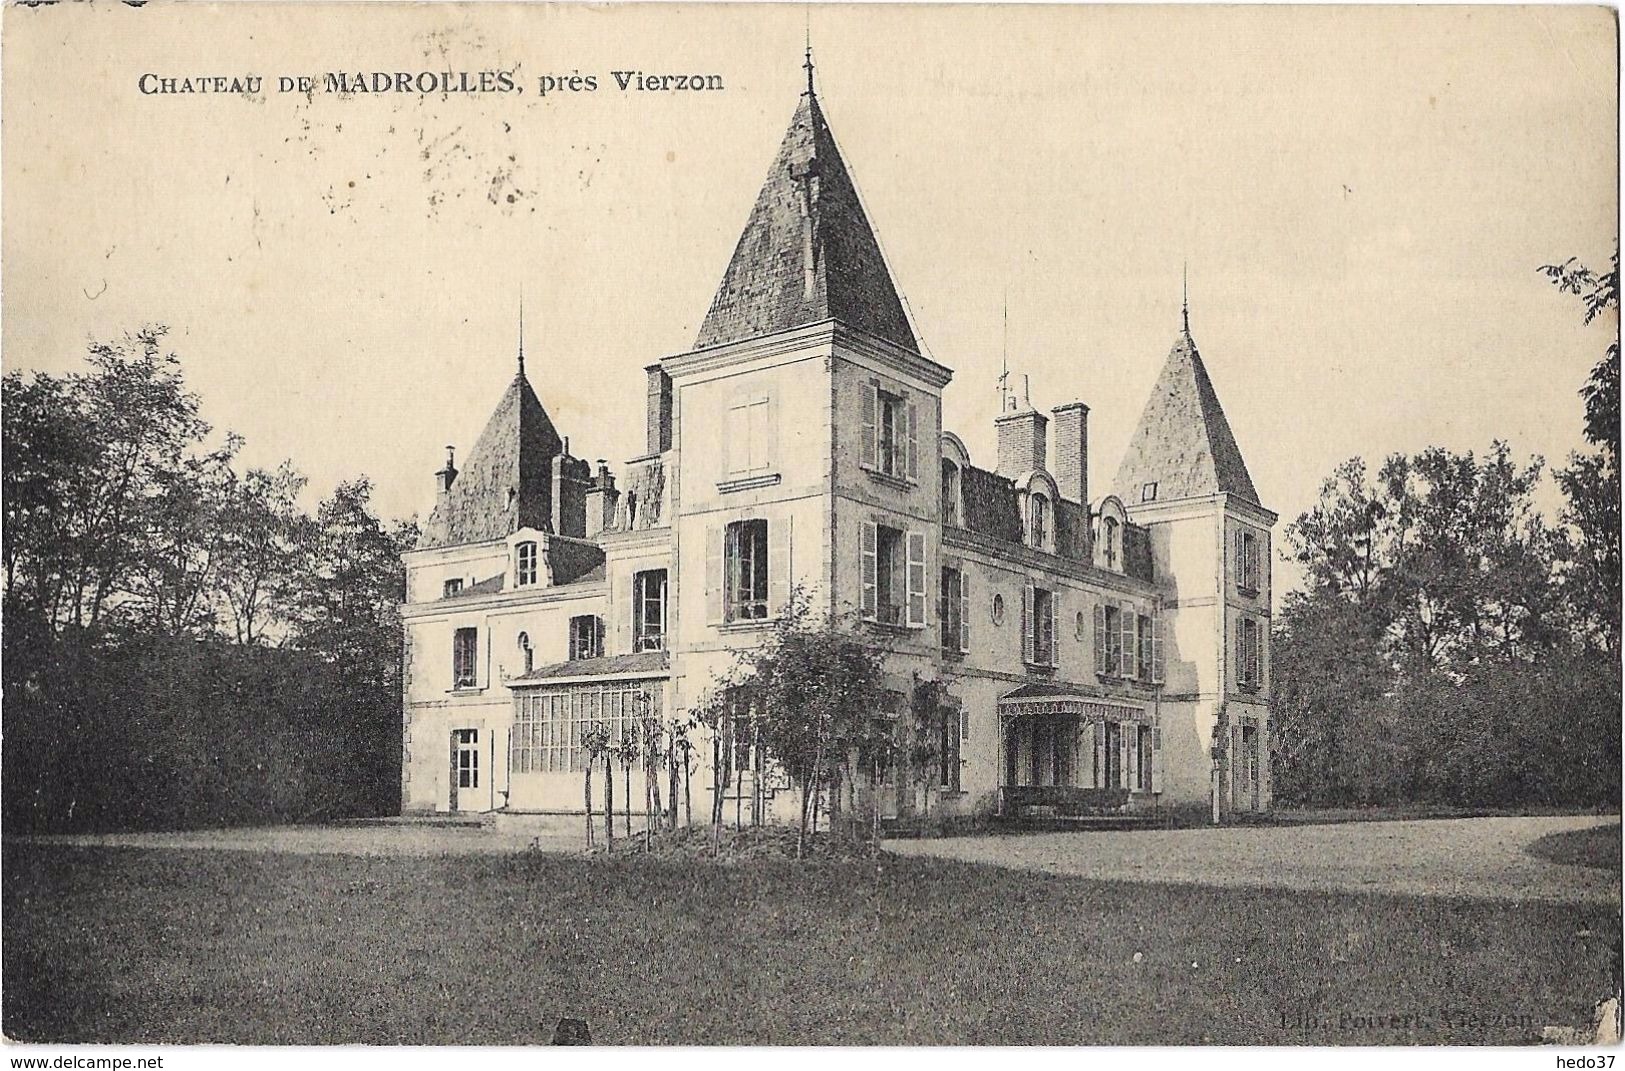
1364, 196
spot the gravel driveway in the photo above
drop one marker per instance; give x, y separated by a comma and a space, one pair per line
1475, 857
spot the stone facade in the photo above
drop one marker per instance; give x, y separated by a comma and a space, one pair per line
1114, 650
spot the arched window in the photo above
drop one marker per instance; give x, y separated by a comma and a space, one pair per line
1111, 539
1038, 520
525, 564
950, 494
525, 650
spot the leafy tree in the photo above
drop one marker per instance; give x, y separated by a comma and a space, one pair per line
814, 690
261, 531
1591, 480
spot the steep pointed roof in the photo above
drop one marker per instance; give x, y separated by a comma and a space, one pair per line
1183, 443
507, 481
766, 288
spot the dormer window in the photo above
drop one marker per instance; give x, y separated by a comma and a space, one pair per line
950, 494
525, 564
1038, 521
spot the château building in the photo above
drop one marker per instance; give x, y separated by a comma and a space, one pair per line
1099, 648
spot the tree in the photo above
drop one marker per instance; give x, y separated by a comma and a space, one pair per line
260, 534
1591, 480
813, 690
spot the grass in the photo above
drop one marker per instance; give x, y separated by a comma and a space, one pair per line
1597, 847
143, 946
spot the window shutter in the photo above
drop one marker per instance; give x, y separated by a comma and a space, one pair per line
1131, 644
1100, 637
964, 723
1156, 759
1241, 651
713, 577
1241, 560
778, 565
964, 611
871, 564
1086, 755
736, 437
913, 442
766, 452
1156, 649
871, 425
1027, 622
1049, 628
597, 636
916, 579
1131, 752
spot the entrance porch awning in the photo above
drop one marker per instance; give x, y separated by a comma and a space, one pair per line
1045, 698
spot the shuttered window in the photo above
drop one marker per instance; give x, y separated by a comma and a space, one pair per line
465, 645
893, 575
1038, 625
750, 435
891, 433
1157, 665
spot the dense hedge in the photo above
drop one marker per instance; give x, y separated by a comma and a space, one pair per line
182, 733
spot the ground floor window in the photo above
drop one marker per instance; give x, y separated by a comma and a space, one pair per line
948, 749
468, 758
549, 722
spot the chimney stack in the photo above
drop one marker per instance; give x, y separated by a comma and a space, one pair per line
446, 476
1023, 441
658, 439
1072, 450
601, 500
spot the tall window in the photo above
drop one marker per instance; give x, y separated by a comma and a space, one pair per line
953, 611
890, 433
1111, 541
468, 758
649, 610
586, 637
1038, 520
948, 749
1247, 562
745, 561
1043, 626
465, 644
525, 564
1109, 643
950, 494
1248, 654
893, 575
750, 435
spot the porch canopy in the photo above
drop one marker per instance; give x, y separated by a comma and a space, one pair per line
1042, 697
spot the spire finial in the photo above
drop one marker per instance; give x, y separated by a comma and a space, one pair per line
1004, 366
808, 63
521, 329
1185, 298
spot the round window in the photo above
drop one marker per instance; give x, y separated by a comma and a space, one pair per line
998, 609
1081, 626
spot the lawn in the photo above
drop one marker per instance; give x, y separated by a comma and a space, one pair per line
1597, 847
145, 946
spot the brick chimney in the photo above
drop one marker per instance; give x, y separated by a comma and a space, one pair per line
601, 500
658, 438
1072, 450
1023, 441
448, 475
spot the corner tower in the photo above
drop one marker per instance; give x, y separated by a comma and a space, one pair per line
1183, 478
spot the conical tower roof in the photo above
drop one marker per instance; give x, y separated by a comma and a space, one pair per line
807, 253
507, 481
1183, 442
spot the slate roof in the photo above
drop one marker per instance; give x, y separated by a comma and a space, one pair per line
514, 453
764, 289
650, 662
1183, 442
